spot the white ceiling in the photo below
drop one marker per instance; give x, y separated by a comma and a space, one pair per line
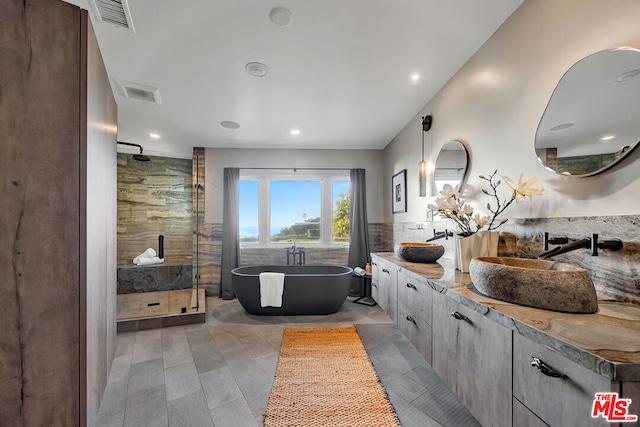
340, 73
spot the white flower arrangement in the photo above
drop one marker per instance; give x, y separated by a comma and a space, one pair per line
451, 205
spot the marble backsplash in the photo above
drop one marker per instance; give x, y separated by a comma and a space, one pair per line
615, 274
278, 256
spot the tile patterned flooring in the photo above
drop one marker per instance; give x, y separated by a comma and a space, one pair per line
220, 373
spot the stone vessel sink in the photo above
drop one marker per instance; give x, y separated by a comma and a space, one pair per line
418, 252
547, 284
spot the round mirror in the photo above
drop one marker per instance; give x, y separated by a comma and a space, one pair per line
591, 121
451, 166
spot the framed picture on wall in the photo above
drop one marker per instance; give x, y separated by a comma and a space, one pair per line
399, 192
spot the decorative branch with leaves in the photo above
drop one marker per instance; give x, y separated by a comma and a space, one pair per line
451, 205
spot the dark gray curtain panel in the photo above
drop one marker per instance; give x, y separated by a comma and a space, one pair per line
359, 251
230, 231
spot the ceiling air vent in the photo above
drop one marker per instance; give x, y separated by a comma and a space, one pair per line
138, 91
114, 12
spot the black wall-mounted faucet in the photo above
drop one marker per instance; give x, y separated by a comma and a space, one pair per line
553, 240
589, 242
440, 234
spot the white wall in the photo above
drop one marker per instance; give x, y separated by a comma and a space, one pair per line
216, 159
495, 101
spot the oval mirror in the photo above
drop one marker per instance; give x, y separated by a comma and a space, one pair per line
591, 121
451, 166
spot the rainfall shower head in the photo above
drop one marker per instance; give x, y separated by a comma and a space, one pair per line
139, 157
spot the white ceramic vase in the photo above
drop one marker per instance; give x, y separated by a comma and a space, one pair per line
482, 243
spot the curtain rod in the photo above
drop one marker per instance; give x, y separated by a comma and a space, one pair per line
306, 169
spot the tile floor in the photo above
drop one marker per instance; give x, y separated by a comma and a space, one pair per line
220, 373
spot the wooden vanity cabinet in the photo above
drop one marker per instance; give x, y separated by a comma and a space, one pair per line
488, 365
473, 355
522, 416
384, 275
556, 401
375, 278
414, 312
416, 294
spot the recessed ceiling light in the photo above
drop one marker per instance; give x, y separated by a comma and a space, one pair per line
154, 135
229, 124
280, 16
562, 126
295, 132
415, 77
257, 69
607, 138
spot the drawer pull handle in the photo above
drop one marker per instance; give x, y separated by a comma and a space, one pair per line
384, 270
410, 319
411, 286
373, 263
460, 316
546, 370
375, 285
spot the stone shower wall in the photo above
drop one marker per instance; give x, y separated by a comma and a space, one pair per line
207, 237
155, 198
615, 274
152, 278
210, 257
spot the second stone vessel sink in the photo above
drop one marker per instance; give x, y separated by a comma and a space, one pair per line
418, 252
547, 284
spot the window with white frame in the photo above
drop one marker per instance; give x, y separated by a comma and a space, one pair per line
308, 206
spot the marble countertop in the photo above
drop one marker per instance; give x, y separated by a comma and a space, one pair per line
607, 342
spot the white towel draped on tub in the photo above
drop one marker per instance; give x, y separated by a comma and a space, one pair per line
271, 288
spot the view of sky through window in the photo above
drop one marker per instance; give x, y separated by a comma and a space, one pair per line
294, 201
291, 202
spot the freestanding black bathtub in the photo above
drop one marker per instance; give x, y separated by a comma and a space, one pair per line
308, 289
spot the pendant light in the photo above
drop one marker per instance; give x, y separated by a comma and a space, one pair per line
426, 125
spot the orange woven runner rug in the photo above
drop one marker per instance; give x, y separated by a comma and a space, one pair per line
325, 378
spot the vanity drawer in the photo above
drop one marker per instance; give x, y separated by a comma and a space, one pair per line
557, 401
415, 329
416, 295
523, 417
375, 278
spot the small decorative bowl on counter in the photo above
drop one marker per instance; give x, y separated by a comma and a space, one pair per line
418, 252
